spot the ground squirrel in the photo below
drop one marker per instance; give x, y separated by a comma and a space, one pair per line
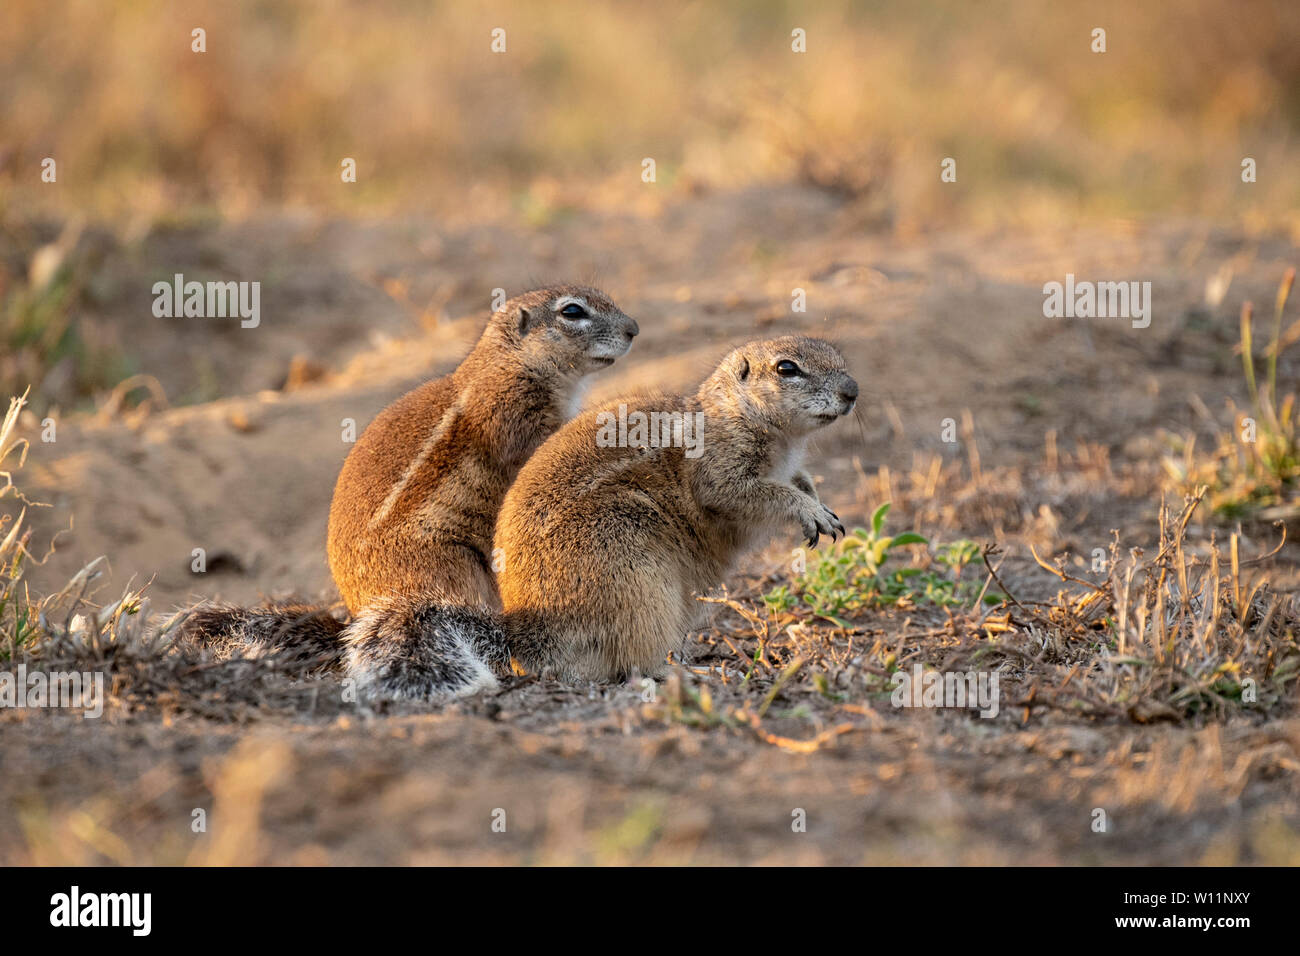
604, 544
417, 499
415, 504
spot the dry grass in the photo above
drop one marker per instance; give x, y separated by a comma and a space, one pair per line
960, 492
1166, 637
46, 339
1040, 125
1191, 633
123, 639
67, 625
1254, 469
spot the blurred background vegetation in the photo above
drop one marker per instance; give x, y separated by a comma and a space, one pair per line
149, 135
1040, 125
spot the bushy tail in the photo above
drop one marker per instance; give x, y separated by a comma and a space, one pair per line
403, 648
298, 636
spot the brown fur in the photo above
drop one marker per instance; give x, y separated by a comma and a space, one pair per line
411, 521
417, 499
604, 548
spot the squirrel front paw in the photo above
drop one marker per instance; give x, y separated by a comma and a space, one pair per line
816, 520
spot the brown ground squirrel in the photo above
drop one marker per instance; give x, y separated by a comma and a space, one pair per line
609, 531
417, 500
415, 504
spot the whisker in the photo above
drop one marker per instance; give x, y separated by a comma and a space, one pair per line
862, 425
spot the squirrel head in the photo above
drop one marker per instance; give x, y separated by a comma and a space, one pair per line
793, 384
575, 330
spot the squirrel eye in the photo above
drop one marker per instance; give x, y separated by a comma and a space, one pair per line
573, 311
786, 369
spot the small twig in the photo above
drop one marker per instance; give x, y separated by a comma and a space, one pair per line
785, 675
984, 554
1061, 574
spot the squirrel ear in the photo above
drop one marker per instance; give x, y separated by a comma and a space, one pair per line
742, 369
522, 321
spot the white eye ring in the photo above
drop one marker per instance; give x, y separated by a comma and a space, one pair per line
583, 314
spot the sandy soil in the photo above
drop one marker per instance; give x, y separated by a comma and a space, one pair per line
932, 325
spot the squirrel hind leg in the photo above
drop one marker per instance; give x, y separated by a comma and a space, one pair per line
420, 651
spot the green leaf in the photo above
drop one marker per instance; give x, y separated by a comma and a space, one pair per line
908, 537
836, 620
878, 519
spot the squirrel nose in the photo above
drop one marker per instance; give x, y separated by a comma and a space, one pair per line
632, 329
849, 390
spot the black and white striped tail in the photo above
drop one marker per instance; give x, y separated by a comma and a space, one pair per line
416, 649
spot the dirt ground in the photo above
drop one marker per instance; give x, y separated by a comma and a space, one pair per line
934, 325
